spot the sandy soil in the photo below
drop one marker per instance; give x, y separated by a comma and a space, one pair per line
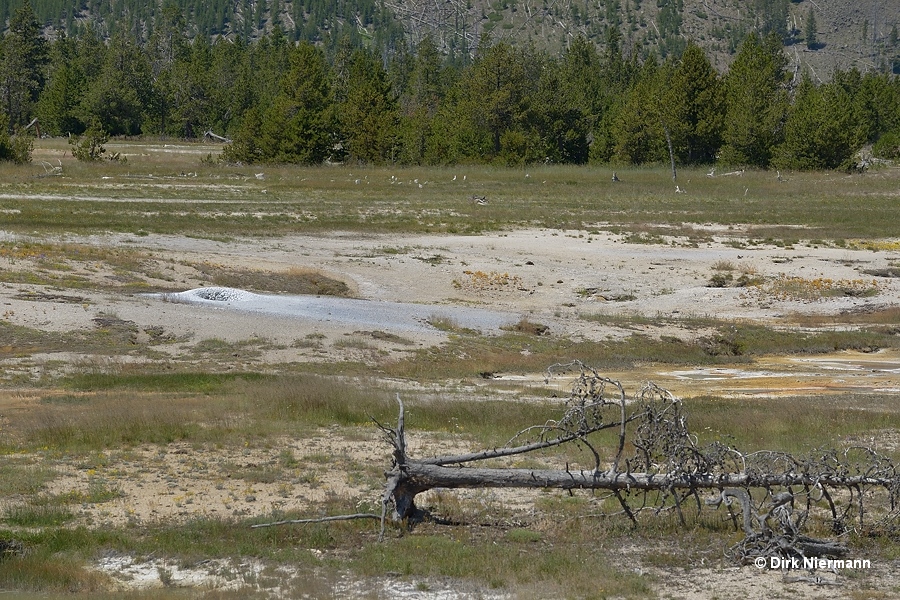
549, 277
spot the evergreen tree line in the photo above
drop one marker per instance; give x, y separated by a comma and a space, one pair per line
322, 21
286, 102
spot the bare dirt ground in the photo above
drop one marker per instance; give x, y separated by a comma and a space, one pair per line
548, 277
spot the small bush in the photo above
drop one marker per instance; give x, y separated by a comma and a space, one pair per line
720, 280
887, 146
90, 146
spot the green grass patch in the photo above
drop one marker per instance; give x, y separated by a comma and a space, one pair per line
574, 567
108, 420
110, 336
39, 514
746, 339
24, 479
809, 290
888, 316
793, 424
48, 510
112, 410
54, 560
39, 575
196, 382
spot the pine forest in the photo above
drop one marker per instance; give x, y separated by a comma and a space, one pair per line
344, 80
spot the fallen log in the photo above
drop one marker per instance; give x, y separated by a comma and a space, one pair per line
419, 476
776, 490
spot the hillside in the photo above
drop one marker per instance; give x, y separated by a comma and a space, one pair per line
848, 33
861, 34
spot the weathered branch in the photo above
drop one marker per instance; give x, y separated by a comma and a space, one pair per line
505, 452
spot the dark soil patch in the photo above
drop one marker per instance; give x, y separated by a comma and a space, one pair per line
886, 272
45, 297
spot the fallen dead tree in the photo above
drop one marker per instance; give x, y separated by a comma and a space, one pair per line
208, 134
663, 468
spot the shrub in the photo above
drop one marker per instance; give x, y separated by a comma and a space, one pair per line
89, 147
888, 146
14, 148
720, 280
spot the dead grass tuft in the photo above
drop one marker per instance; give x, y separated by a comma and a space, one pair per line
723, 265
529, 327
804, 289
295, 280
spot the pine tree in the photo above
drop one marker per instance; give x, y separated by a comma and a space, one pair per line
168, 42
876, 103
369, 115
230, 80
423, 83
186, 89
772, 17
582, 87
693, 108
812, 41
568, 102
819, 132
246, 147
14, 148
122, 100
22, 57
58, 104
269, 60
616, 78
298, 126
756, 103
639, 128
90, 52
563, 129
494, 94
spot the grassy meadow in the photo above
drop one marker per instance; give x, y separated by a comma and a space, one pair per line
95, 419
172, 189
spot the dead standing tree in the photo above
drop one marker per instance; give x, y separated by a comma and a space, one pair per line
666, 469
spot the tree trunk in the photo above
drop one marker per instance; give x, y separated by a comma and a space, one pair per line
415, 477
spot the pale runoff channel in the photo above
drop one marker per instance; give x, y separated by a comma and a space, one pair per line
391, 316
